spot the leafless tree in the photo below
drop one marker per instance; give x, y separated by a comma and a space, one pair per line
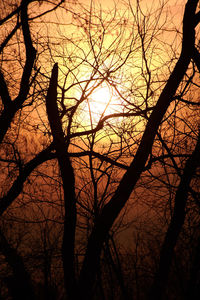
96, 162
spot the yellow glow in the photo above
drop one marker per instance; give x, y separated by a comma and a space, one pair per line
103, 101
100, 100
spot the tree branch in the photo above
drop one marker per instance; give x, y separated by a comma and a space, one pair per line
196, 58
5, 96
112, 209
102, 121
30, 56
8, 113
176, 223
17, 185
19, 285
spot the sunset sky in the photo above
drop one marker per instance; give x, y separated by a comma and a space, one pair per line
99, 149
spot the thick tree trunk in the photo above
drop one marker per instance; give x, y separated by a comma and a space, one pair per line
11, 107
130, 178
68, 180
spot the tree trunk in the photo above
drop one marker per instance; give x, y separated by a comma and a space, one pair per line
68, 180
112, 209
19, 285
176, 224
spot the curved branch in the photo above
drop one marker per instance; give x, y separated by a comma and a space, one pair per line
9, 112
11, 34
112, 209
102, 121
30, 56
17, 185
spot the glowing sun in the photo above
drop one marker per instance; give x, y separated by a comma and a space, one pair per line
102, 102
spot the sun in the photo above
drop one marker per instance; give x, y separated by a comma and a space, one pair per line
101, 102
98, 102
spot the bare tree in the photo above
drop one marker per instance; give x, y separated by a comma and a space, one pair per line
95, 176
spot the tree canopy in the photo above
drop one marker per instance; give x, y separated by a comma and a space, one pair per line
99, 133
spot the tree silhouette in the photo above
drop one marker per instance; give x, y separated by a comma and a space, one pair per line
93, 179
